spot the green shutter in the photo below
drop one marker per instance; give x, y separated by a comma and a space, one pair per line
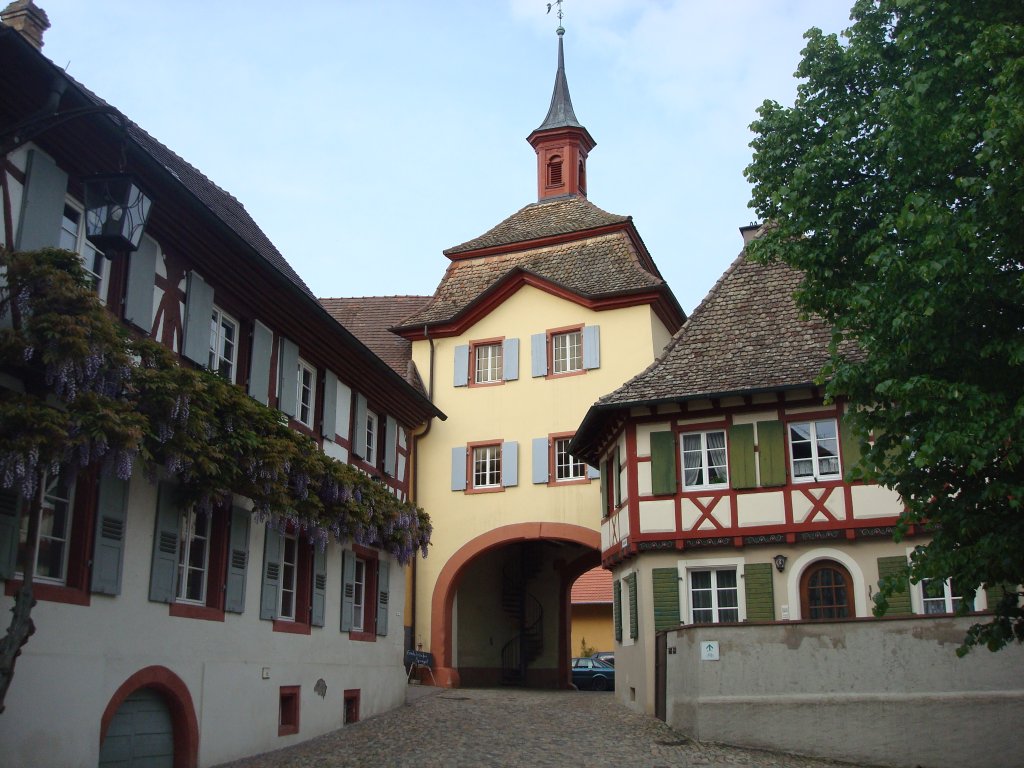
605, 479
665, 582
10, 504
996, 592
663, 463
899, 603
771, 451
617, 609
617, 480
849, 444
757, 582
741, 456
634, 620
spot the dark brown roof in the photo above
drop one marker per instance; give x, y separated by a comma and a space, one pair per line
370, 317
547, 218
747, 335
603, 264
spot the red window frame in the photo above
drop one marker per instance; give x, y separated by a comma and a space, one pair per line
553, 465
289, 709
473, 347
551, 333
302, 624
470, 486
216, 572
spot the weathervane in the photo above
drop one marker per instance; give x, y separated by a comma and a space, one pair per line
559, 12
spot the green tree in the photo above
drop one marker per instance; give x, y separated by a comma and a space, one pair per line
895, 183
78, 392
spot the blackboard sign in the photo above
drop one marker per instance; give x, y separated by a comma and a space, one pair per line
419, 658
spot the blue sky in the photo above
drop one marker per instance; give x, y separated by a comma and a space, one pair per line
366, 137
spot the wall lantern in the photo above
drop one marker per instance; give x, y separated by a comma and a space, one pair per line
780, 562
116, 210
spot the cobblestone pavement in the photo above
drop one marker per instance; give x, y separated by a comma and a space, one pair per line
515, 727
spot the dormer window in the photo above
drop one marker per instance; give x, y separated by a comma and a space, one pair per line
555, 171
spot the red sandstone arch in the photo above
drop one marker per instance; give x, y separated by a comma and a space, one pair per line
179, 704
448, 580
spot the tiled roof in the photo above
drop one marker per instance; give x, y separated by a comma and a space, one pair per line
592, 267
594, 586
369, 318
746, 335
547, 218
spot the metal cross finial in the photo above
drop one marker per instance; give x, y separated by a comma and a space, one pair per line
558, 12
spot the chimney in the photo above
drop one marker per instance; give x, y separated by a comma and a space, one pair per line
28, 19
750, 232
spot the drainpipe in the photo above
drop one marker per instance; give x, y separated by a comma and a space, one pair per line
416, 470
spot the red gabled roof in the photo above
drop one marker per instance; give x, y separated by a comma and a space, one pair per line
594, 586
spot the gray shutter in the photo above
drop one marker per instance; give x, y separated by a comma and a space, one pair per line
238, 561
461, 365
108, 546
510, 359
10, 505
344, 430
390, 446
138, 301
359, 429
459, 468
348, 588
330, 420
273, 548
198, 312
539, 355
509, 464
319, 587
541, 471
591, 346
383, 594
42, 205
259, 365
288, 381
164, 571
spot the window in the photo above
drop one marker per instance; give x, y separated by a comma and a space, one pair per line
289, 578
371, 437
351, 699
714, 596
72, 238
555, 171
567, 466
193, 557
54, 535
305, 393
487, 466
814, 449
825, 591
288, 710
704, 464
359, 596
567, 352
487, 365
940, 596
223, 344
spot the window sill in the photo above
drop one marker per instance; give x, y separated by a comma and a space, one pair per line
566, 375
706, 489
478, 384
292, 627
53, 593
574, 481
496, 489
363, 637
204, 612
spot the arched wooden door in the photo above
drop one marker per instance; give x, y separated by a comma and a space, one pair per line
141, 733
826, 591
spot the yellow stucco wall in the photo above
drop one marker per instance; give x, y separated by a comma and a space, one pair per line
517, 411
592, 624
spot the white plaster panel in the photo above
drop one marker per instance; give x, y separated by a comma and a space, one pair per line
645, 486
643, 436
657, 516
765, 508
801, 394
753, 418
802, 506
874, 501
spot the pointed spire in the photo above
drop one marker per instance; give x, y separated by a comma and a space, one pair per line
560, 114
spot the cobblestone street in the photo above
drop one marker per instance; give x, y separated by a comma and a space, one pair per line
515, 727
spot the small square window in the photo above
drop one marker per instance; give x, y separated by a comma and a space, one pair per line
567, 352
487, 363
714, 596
288, 710
223, 344
351, 698
704, 462
814, 450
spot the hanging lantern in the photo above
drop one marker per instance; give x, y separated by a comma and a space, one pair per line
115, 212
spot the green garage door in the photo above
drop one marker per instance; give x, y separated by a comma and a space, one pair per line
140, 734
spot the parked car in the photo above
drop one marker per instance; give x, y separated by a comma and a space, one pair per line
608, 657
589, 674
